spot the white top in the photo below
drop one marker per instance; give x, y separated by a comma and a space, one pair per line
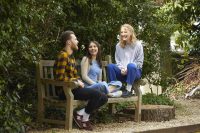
131, 53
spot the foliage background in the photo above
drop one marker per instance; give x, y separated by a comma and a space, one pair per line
30, 31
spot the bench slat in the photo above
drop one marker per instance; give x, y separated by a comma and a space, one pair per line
121, 99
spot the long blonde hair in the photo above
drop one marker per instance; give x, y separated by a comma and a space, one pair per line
133, 36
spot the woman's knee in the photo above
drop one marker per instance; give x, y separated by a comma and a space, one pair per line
101, 83
103, 89
110, 66
131, 66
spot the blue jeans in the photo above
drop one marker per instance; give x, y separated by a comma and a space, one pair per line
133, 73
99, 86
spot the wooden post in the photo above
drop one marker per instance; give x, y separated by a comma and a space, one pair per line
138, 104
69, 108
111, 108
41, 93
108, 58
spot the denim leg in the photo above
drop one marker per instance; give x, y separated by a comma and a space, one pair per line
114, 73
94, 97
133, 73
99, 86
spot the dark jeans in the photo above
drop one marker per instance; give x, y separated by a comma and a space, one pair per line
95, 98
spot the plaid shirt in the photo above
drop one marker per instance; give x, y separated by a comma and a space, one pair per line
65, 67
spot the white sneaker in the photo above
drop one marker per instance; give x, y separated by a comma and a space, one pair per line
133, 92
115, 94
129, 87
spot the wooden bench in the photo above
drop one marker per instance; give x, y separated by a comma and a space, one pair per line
47, 95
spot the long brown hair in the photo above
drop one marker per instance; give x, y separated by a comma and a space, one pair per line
98, 58
133, 36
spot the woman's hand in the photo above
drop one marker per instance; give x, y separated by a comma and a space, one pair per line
123, 71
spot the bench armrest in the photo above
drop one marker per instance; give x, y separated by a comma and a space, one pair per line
68, 84
137, 86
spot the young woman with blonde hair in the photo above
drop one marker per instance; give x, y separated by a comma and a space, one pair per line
129, 58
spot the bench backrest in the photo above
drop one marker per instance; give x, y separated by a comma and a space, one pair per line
45, 70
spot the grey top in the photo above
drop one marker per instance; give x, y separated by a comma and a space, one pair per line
131, 53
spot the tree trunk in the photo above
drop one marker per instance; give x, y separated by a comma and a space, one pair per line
154, 112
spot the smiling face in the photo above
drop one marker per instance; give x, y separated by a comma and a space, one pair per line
94, 52
125, 35
93, 49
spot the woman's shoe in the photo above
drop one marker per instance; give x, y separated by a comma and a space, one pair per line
115, 94
127, 94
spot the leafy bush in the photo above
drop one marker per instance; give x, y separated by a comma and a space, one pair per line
102, 116
121, 106
12, 115
151, 98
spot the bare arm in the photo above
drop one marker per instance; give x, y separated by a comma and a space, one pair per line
84, 71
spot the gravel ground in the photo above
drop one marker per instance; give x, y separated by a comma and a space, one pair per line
187, 113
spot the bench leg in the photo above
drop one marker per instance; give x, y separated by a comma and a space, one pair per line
138, 111
138, 104
111, 108
41, 108
40, 114
69, 109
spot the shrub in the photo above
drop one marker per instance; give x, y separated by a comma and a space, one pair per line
12, 115
151, 98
